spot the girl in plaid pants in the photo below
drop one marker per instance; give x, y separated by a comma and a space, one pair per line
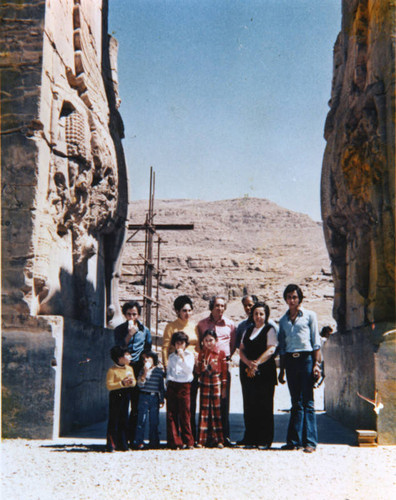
212, 371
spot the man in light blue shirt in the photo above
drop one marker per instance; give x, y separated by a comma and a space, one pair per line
299, 349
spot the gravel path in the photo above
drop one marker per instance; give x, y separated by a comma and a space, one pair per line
78, 469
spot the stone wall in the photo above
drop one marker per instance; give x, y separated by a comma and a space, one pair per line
22, 35
31, 373
64, 179
358, 203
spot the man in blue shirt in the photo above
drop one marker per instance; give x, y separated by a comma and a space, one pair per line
299, 349
137, 338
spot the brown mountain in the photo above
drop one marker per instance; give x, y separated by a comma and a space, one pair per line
237, 245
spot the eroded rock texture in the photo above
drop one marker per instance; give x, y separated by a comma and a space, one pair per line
358, 209
358, 178
64, 177
64, 206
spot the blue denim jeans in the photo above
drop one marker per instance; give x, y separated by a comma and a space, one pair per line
302, 429
148, 409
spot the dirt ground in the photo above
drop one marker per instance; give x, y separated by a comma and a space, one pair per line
78, 468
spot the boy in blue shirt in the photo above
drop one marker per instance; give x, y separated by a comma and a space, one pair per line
151, 399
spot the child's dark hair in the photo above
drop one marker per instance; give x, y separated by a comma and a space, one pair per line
209, 333
179, 337
326, 331
150, 354
117, 352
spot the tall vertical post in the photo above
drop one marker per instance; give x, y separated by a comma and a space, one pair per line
149, 252
152, 269
157, 295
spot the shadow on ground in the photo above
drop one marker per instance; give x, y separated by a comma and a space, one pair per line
76, 447
330, 432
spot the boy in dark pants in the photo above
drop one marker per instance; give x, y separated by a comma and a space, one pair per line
119, 380
151, 399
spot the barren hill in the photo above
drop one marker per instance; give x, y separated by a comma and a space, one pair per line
239, 245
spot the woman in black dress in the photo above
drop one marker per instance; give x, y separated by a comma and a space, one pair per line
258, 377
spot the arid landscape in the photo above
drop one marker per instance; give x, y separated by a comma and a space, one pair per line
237, 246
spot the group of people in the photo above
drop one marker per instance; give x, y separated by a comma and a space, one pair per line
197, 357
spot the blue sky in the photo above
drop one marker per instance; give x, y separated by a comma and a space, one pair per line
226, 98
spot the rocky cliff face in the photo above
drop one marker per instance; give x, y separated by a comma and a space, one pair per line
64, 180
64, 189
358, 179
358, 208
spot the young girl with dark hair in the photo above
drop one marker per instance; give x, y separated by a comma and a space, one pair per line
184, 323
212, 370
179, 376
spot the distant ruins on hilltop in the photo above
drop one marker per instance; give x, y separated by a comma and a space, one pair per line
65, 199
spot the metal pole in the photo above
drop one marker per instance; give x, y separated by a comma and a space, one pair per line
149, 256
145, 273
158, 275
150, 231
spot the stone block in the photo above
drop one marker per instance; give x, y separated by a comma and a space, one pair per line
10, 78
29, 356
84, 393
385, 363
34, 9
26, 106
16, 123
16, 196
53, 375
13, 303
32, 58
17, 251
362, 361
13, 278
349, 365
366, 438
19, 158
17, 228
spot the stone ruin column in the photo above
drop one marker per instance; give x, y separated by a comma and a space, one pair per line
64, 208
358, 211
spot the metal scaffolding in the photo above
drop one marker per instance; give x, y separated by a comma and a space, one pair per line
148, 266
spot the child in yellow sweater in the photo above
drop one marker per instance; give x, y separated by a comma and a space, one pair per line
120, 378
